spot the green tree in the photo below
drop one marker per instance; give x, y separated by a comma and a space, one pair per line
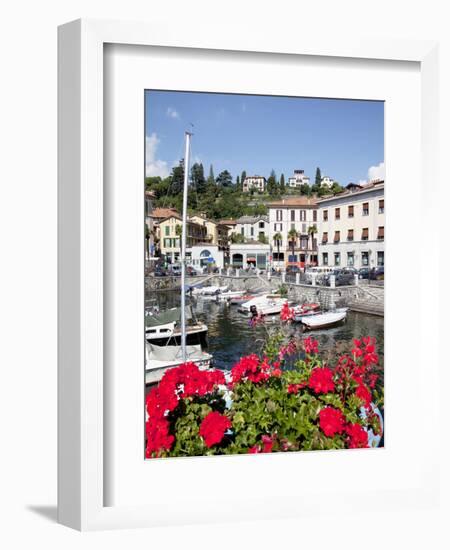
336, 188
238, 183
277, 240
211, 179
177, 178
263, 239
272, 187
237, 238
198, 178
312, 230
292, 236
224, 179
318, 179
282, 184
243, 176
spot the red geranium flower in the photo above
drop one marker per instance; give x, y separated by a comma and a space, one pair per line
321, 380
357, 437
267, 443
331, 421
213, 428
287, 313
364, 394
310, 345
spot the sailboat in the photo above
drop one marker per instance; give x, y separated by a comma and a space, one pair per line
161, 358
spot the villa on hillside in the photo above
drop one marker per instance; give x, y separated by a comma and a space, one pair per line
259, 183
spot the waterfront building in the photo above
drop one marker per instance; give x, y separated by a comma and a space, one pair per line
298, 179
258, 183
255, 228
149, 222
248, 254
299, 214
204, 255
351, 227
326, 181
216, 232
170, 235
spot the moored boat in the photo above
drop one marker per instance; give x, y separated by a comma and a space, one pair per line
161, 358
163, 328
325, 320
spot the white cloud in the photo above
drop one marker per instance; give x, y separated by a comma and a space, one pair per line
172, 113
376, 172
153, 166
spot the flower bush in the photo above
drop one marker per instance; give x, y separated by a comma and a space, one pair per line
261, 406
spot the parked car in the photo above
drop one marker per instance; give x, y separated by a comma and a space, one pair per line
174, 269
342, 277
376, 273
363, 273
293, 269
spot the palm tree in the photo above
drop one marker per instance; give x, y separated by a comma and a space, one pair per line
293, 236
277, 240
312, 230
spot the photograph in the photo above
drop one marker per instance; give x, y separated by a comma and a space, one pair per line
264, 274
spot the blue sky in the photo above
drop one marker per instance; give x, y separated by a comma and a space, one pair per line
345, 138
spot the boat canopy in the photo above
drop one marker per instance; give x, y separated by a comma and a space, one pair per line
164, 317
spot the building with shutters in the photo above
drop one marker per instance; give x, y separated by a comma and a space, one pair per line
351, 227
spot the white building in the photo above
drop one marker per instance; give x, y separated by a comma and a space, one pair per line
258, 183
351, 227
253, 227
326, 181
297, 213
250, 254
298, 179
204, 255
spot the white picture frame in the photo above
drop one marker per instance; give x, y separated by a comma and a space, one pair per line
82, 483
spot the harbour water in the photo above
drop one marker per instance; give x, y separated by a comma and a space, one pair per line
230, 335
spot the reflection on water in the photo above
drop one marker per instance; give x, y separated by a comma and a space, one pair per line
230, 335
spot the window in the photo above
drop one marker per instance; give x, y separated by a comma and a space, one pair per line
350, 235
365, 259
167, 230
324, 238
302, 215
325, 258
365, 234
252, 231
325, 215
380, 235
350, 259
261, 225
279, 215
337, 236
167, 243
278, 227
304, 243
242, 230
351, 212
314, 215
261, 235
365, 208
292, 215
337, 213
381, 206
337, 258
380, 258
292, 225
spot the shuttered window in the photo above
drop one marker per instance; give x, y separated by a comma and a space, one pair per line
351, 212
350, 235
365, 234
381, 232
325, 238
337, 236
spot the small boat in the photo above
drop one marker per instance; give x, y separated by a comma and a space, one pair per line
161, 358
228, 295
325, 320
208, 290
271, 306
164, 328
254, 301
305, 310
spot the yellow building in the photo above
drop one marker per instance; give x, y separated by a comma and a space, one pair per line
170, 235
216, 233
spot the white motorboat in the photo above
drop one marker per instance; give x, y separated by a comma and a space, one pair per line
161, 358
255, 301
228, 295
325, 320
272, 306
208, 290
306, 310
164, 328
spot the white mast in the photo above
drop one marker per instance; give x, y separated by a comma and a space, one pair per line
183, 245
